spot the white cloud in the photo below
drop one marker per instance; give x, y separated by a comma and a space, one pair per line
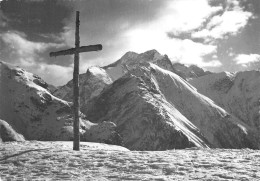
230, 22
187, 15
25, 53
18, 42
246, 59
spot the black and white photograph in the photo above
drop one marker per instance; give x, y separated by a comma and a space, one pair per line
149, 90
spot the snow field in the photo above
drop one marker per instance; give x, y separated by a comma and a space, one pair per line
57, 161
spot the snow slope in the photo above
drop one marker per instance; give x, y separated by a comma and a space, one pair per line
32, 111
155, 109
95, 162
238, 93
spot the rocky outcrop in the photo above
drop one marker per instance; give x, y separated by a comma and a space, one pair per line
155, 109
7, 133
104, 132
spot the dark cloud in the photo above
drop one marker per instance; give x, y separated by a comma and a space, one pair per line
35, 17
252, 6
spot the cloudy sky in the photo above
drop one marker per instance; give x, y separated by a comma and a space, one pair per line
217, 35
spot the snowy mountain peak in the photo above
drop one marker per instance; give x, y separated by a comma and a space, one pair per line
21, 75
97, 73
151, 55
30, 108
132, 60
129, 55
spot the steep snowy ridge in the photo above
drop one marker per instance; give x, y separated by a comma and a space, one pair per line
219, 127
150, 96
36, 114
238, 93
91, 84
144, 119
212, 120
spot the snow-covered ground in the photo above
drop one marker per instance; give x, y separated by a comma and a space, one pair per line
57, 161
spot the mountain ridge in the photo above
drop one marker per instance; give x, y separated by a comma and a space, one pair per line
235, 133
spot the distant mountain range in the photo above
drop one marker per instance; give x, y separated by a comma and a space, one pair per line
142, 101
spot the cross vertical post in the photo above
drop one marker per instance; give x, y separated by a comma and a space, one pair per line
76, 86
76, 99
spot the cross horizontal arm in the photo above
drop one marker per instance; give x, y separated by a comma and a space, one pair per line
71, 51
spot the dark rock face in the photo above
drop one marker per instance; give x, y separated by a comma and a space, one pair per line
104, 132
7, 133
40, 82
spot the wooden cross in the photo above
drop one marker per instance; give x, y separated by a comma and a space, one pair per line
76, 52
